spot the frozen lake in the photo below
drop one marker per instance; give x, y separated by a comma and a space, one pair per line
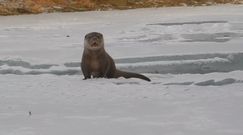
193, 56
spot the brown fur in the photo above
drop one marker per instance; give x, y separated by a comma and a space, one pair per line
97, 62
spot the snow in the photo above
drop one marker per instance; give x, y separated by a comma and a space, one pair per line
193, 56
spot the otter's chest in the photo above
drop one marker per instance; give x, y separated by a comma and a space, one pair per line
94, 65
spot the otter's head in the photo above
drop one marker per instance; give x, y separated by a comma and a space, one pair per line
94, 41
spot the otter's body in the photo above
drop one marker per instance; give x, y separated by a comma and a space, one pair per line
97, 62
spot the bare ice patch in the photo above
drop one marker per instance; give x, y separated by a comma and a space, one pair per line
24, 64
183, 23
218, 83
176, 64
210, 82
193, 64
211, 37
36, 72
191, 31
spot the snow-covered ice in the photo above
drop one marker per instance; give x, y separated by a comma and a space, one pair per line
193, 56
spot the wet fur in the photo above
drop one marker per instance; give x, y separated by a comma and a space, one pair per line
96, 62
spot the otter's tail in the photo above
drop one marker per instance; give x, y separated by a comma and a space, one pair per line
130, 75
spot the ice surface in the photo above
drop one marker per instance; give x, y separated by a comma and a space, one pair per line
193, 56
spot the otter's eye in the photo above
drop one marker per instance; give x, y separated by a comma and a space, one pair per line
99, 36
87, 36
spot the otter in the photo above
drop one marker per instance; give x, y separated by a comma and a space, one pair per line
96, 62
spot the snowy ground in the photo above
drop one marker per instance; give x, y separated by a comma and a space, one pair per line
193, 56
